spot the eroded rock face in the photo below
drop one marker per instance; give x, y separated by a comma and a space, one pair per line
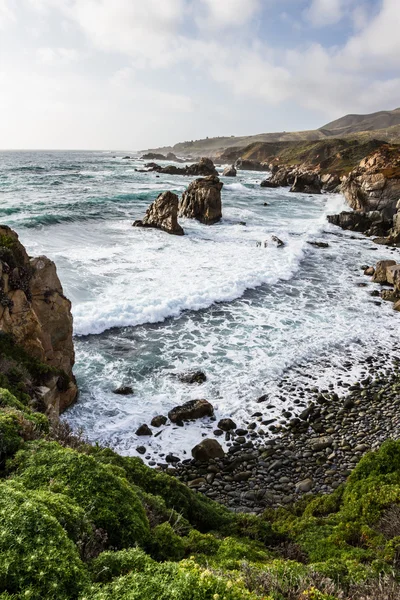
251, 165
330, 182
380, 275
163, 214
202, 200
375, 183
35, 312
306, 183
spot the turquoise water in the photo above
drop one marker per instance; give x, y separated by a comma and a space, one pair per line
148, 306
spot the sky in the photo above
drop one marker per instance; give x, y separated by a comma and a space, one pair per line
136, 74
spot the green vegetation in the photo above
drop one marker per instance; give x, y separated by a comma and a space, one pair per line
81, 522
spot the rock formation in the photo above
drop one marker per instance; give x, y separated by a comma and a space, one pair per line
163, 214
230, 172
194, 409
251, 165
306, 183
208, 449
372, 223
202, 201
35, 312
267, 183
203, 168
375, 183
330, 182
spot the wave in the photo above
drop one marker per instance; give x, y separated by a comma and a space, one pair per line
236, 187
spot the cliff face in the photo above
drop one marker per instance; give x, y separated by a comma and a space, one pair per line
35, 312
375, 183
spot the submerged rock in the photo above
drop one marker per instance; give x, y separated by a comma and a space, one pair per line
319, 244
208, 449
202, 200
194, 409
163, 214
125, 390
194, 377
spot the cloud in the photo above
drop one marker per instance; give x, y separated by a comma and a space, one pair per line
324, 12
57, 56
227, 13
6, 14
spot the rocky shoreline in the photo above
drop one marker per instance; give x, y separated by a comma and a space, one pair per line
313, 453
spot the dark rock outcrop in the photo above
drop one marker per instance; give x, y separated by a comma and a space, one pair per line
208, 449
193, 377
194, 409
204, 168
202, 200
251, 165
267, 183
230, 172
35, 312
307, 183
372, 223
124, 390
153, 156
163, 214
330, 182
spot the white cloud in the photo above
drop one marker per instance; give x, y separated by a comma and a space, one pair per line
228, 13
324, 12
57, 56
6, 13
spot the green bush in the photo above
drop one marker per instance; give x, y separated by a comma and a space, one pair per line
107, 499
109, 565
10, 435
201, 543
37, 560
166, 545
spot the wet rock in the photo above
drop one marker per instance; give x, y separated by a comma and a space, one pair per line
124, 390
207, 450
163, 214
194, 409
141, 449
227, 424
369, 271
197, 482
230, 172
158, 421
306, 183
202, 200
267, 183
144, 430
353, 221
193, 377
319, 244
171, 459
251, 165
380, 275
204, 168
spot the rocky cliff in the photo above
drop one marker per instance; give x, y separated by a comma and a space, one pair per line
375, 183
36, 315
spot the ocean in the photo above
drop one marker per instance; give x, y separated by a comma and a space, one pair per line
258, 320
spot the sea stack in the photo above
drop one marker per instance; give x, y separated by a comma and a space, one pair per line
202, 200
163, 214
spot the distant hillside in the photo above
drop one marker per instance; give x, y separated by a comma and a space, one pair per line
358, 123
383, 125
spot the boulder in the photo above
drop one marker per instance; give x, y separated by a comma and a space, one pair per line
207, 450
194, 409
390, 295
380, 275
306, 183
124, 390
230, 172
202, 200
144, 430
393, 274
193, 377
163, 214
284, 176
267, 183
304, 486
353, 221
158, 421
251, 165
369, 271
226, 425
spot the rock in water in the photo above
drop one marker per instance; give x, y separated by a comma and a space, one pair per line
306, 183
230, 172
227, 424
163, 214
267, 183
124, 390
144, 430
193, 377
251, 165
202, 200
380, 275
34, 310
203, 168
208, 449
194, 409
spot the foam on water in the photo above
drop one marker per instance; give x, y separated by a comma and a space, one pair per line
157, 305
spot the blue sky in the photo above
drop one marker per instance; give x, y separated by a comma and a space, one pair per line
131, 74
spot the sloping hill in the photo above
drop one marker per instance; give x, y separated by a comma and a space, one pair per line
357, 123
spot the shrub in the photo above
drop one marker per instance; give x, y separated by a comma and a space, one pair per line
201, 543
166, 545
107, 499
109, 565
37, 560
10, 435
